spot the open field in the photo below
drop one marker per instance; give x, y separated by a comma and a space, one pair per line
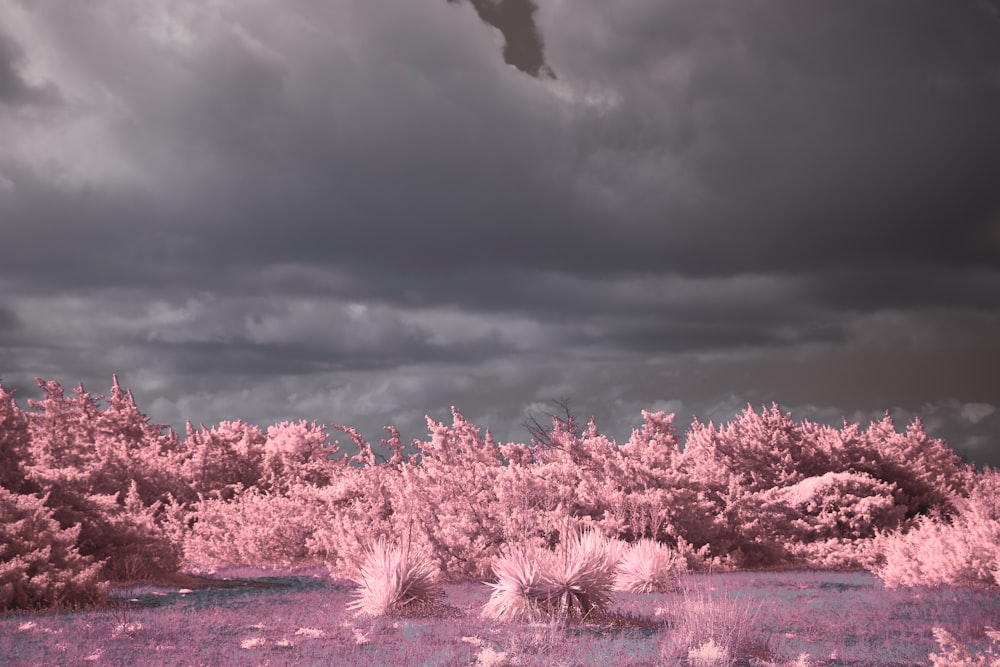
274, 618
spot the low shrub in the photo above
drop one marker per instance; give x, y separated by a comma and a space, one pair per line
573, 581
392, 579
647, 566
962, 550
956, 654
270, 530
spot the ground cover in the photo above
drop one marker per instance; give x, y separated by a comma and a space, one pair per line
255, 617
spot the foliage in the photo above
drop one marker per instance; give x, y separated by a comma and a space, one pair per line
963, 549
956, 654
14, 444
40, 565
816, 484
270, 530
456, 514
225, 459
297, 452
760, 491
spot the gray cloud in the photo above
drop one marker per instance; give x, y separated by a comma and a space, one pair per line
15, 89
362, 205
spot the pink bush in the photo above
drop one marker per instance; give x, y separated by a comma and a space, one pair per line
105, 471
225, 459
40, 565
297, 452
956, 654
449, 495
354, 509
252, 528
768, 460
963, 549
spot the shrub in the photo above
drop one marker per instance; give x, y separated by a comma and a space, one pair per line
252, 528
392, 579
956, 654
575, 580
713, 631
647, 566
40, 565
962, 550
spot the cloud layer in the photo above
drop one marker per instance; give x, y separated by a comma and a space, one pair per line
367, 211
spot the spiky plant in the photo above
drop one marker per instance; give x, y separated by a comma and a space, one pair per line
574, 581
518, 591
392, 579
647, 566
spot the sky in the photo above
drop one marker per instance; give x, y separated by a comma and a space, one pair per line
367, 211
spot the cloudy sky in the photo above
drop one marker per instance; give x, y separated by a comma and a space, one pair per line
366, 211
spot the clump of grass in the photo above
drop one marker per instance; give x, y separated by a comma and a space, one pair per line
711, 631
647, 566
391, 579
574, 581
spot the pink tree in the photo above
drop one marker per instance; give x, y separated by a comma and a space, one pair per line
297, 452
448, 497
40, 565
224, 460
15, 441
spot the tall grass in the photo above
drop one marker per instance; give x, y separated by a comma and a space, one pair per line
710, 631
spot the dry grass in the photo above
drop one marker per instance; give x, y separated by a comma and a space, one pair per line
710, 631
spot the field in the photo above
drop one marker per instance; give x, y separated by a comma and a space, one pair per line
255, 617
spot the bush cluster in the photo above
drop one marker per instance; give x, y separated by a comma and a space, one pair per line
120, 498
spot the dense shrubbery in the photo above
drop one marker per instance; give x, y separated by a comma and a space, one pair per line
963, 549
134, 500
40, 565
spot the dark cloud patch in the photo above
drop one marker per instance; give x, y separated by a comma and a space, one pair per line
15, 90
905, 287
523, 44
8, 320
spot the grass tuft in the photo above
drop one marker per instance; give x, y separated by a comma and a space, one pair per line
390, 579
710, 631
574, 581
646, 567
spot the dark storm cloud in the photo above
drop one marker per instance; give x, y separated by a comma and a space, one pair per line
8, 319
800, 153
515, 19
875, 288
